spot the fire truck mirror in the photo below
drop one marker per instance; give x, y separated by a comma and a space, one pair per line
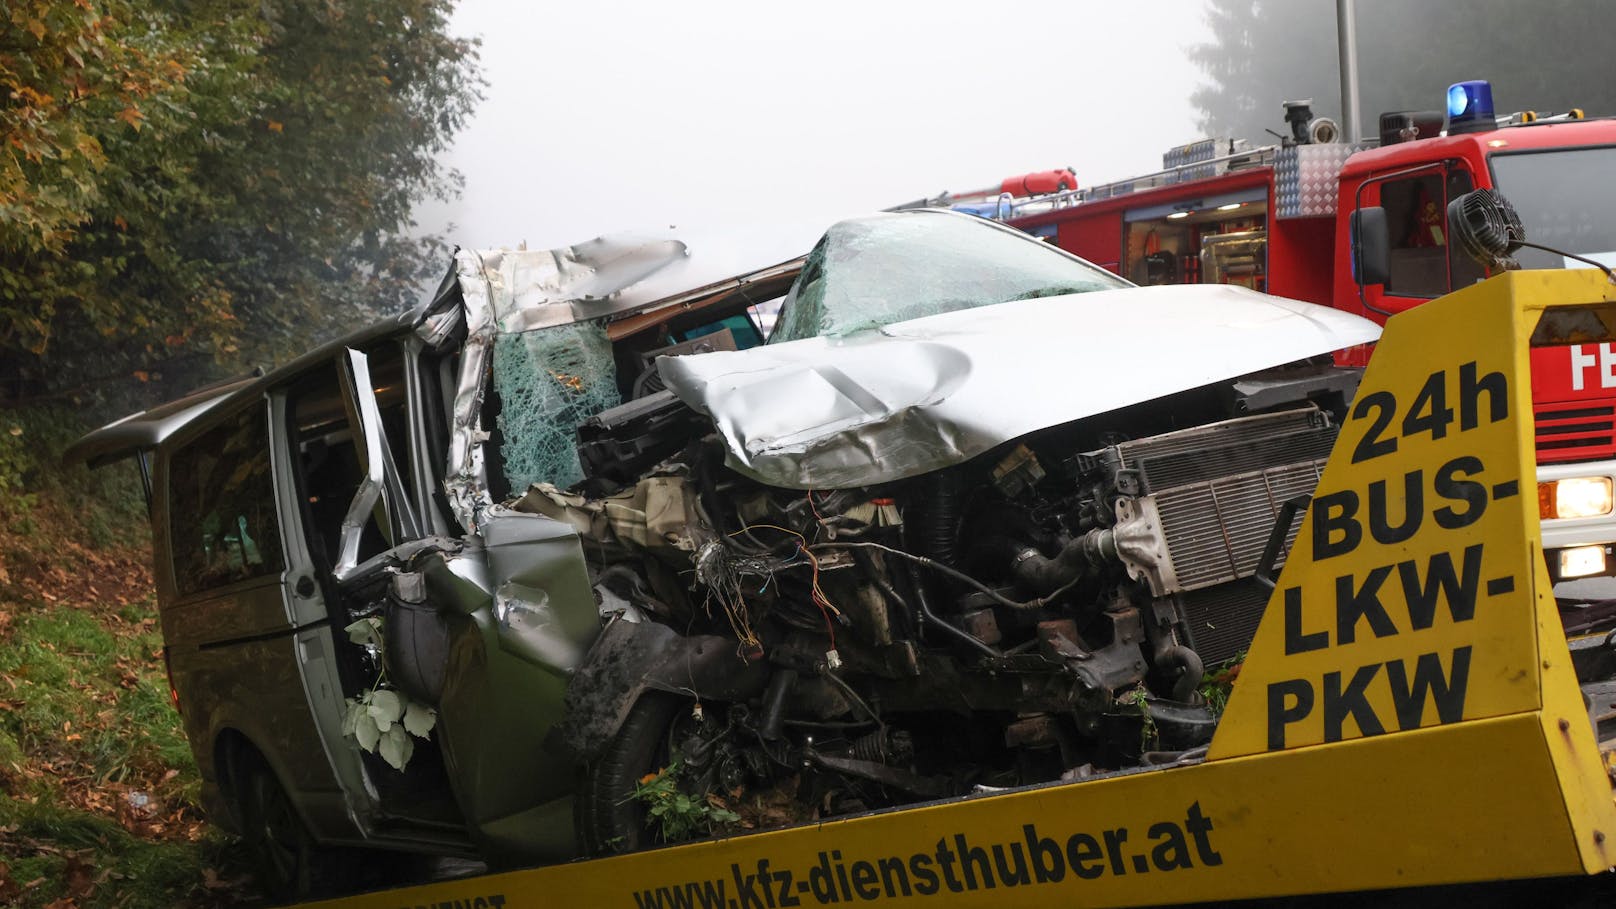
1371, 246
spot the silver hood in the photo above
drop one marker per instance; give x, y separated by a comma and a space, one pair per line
917, 396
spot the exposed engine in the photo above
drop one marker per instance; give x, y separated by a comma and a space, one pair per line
1046, 611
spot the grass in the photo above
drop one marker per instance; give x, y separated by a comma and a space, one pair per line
98, 789
100, 796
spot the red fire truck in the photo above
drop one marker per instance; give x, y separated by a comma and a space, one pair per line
1282, 219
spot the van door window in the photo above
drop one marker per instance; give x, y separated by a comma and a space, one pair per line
328, 457
222, 523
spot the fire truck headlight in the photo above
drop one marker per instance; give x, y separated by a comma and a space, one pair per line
1582, 561
1576, 497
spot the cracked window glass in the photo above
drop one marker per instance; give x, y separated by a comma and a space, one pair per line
549, 381
869, 272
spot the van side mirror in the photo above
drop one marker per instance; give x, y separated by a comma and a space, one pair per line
1371, 246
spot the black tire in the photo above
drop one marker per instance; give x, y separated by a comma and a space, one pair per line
611, 820
289, 863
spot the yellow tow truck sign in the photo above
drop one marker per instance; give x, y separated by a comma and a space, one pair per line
1413, 593
1407, 714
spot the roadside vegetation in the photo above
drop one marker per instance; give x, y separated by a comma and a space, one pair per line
187, 190
98, 791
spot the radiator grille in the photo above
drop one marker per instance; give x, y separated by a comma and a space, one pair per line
1216, 530
1574, 431
1233, 446
1219, 488
1223, 620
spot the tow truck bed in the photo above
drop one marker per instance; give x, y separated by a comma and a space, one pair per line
1408, 717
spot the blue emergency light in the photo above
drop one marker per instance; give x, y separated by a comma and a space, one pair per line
1470, 107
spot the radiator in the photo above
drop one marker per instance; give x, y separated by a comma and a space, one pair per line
1219, 488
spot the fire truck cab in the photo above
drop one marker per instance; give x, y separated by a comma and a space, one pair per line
1294, 219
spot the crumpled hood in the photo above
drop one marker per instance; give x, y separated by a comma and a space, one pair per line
917, 396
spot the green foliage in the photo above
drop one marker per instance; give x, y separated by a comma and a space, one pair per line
73, 74
186, 186
674, 814
384, 720
105, 505
1138, 698
98, 802
15, 461
1217, 683
1266, 52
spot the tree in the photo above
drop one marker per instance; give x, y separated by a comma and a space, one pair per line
193, 184
1546, 56
75, 79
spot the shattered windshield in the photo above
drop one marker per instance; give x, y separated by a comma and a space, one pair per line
873, 271
549, 381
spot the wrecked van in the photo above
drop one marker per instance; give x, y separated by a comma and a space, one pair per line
573, 560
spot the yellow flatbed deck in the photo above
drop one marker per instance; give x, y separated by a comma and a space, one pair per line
1408, 715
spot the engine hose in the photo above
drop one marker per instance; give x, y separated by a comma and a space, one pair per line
933, 621
937, 530
830, 676
994, 595
1080, 554
774, 702
1189, 682
877, 574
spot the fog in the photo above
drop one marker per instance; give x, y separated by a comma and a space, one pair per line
765, 122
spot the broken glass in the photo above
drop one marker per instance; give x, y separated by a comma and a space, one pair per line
549, 381
873, 271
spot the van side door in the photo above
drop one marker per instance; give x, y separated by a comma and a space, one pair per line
238, 637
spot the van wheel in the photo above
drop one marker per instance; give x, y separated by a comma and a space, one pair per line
611, 820
289, 863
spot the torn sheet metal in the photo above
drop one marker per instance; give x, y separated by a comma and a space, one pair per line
513, 291
466, 480
917, 396
542, 288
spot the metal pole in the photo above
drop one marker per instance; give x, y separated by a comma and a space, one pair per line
1347, 42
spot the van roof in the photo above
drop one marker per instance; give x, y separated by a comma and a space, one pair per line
598, 279
150, 428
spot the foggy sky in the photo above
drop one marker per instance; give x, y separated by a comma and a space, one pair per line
767, 121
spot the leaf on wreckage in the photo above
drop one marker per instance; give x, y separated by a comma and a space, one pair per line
386, 708
397, 747
350, 717
365, 632
419, 719
366, 733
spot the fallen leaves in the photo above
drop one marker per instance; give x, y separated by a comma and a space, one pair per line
83, 739
69, 571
